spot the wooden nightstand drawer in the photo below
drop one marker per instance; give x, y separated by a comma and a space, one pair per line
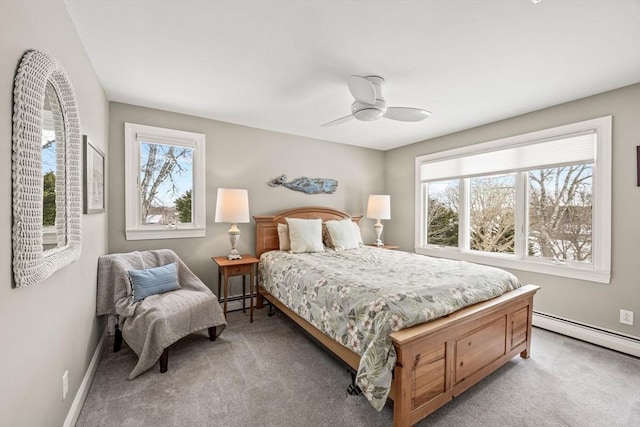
237, 270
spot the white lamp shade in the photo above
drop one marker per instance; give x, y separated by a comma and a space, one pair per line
232, 205
379, 206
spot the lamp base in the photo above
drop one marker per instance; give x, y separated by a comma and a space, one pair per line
234, 238
378, 227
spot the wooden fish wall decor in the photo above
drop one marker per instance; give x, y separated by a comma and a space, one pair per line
307, 185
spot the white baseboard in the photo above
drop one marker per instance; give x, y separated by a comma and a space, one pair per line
83, 390
615, 341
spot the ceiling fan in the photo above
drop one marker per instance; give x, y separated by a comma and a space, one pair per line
370, 105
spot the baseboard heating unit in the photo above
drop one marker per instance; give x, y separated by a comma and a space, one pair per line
602, 337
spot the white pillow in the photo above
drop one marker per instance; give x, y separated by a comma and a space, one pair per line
343, 235
356, 228
283, 237
305, 235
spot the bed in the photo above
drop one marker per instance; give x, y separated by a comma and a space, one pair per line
431, 359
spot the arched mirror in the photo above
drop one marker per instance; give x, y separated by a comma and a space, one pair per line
46, 170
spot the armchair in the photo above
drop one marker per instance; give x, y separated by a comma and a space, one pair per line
151, 325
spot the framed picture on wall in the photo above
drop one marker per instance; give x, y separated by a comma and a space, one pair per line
92, 178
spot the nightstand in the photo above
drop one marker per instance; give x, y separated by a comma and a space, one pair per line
385, 246
237, 267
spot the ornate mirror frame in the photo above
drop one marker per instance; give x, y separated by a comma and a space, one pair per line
32, 264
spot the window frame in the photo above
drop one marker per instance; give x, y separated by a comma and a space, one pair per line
600, 268
134, 229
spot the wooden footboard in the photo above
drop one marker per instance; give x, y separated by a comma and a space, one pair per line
439, 360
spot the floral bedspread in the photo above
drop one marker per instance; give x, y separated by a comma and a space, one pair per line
358, 297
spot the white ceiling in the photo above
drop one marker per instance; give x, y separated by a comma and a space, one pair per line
283, 65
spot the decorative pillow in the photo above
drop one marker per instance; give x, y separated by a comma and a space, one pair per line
283, 237
305, 235
343, 235
153, 281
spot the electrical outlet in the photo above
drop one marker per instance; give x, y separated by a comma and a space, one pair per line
626, 317
65, 384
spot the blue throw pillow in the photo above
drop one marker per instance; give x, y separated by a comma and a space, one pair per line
153, 281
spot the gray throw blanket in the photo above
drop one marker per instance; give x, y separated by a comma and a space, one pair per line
154, 323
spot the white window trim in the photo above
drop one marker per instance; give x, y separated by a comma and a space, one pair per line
134, 230
600, 270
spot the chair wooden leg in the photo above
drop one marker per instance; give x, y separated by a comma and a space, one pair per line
117, 339
212, 333
164, 360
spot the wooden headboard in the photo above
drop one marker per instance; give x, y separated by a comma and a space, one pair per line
267, 226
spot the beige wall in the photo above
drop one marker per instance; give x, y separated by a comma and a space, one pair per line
244, 157
51, 326
588, 302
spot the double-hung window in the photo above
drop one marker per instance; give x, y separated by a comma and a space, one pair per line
537, 202
164, 183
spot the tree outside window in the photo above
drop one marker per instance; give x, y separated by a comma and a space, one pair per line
166, 181
442, 213
493, 213
560, 213
183, 206
48, 178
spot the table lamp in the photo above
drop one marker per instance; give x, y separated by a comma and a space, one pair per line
232, 206
379, 207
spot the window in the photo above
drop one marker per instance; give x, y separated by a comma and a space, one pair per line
560, 213
492, 213
164, 183
442, 213
537, 202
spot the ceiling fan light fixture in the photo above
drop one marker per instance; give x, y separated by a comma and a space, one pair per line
368, 114
406, 114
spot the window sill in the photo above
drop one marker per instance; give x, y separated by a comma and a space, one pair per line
573, 272
165, 233
49, 236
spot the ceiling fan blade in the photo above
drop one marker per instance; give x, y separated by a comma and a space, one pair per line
406, 114
338, 121
362, 90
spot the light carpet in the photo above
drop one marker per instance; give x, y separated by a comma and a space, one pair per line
270, 373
